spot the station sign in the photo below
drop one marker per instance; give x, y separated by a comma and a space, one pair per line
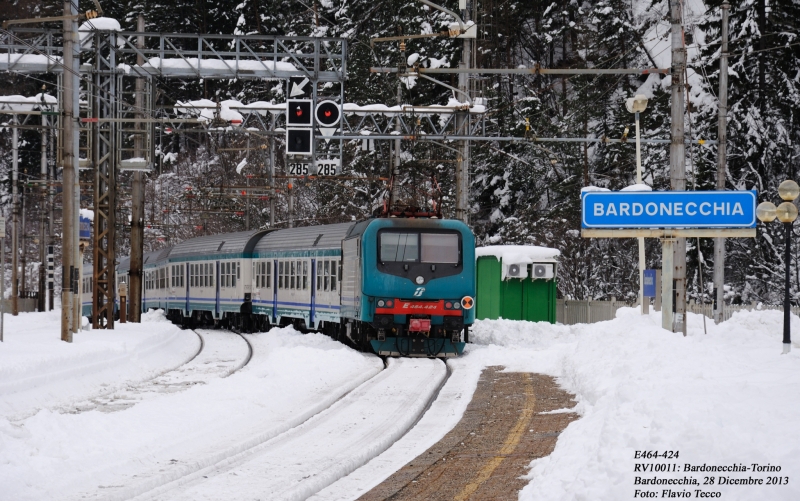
668, 209
85, 228
649, 283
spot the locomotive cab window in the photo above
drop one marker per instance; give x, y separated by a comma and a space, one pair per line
425, 247
439, 248
399, 247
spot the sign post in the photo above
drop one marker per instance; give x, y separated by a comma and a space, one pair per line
668, 215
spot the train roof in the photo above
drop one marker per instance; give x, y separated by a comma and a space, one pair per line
124, 264
238, 244
325, 236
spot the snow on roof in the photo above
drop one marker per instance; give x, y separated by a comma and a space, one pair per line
29, 60
87, 214
22, 103
637, 187
218, 64
98, 24
437, 109
205, 109
593, 188
518, 254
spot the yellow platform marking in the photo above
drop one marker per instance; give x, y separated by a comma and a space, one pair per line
512, 440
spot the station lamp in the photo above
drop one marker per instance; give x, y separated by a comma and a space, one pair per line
786, 213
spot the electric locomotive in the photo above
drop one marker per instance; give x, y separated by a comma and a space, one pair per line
408, 286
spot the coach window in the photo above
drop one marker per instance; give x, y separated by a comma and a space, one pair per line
399, 247
280, 274
305, 275
334, 274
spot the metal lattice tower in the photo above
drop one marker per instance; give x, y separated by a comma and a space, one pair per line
104, 156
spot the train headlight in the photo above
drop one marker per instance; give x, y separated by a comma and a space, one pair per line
381, 303
457, 305
420, 280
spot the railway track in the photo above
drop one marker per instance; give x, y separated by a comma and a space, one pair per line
334, 442
220, 354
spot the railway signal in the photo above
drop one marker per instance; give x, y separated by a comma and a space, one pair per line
299, 142
298, 113
328, 114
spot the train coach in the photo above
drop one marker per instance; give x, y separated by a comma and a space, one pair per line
395, 286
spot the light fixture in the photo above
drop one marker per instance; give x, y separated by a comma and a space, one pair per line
788, 190
765, 212
637, 103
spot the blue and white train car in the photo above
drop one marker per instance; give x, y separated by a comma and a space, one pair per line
208, 279
296, 273
155, 293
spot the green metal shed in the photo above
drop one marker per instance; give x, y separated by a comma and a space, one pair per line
516, 282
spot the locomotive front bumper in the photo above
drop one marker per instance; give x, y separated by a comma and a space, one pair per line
417, 346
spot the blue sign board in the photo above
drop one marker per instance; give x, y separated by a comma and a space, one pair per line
649, 283
668, 209
86, 228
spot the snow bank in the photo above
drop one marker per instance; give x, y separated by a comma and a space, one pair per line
121, 454
39, 370
719, 399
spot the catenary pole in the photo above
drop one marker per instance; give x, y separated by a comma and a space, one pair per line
69, 159
677, 159
50, 222
77, 254
42, 302
15, 217
462, 123
722, 137
137, 201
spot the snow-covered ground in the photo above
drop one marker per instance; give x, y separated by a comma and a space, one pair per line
723, 398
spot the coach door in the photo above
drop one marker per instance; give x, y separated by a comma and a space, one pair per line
313, 291
275, 291
216, 288
186, 271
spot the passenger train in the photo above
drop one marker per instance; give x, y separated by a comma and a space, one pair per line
395, 286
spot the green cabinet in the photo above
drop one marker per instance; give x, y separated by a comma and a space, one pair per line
513, 298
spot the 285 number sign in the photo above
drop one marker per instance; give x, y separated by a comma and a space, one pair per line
325, 168
298, 169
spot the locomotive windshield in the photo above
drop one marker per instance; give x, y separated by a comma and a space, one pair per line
419, 247
439, 248
399, 247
